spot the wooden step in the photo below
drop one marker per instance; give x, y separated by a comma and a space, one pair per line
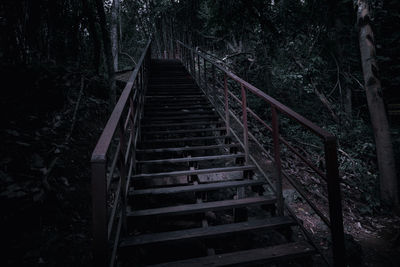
177, 113
168, 85
175, 102
283, 252
198, 96
186, 148
193, 118
183, 139
208, 232
190, 159
180, 124
175, 99
203, 207
184, 131
176, 107
193, 172
194, 188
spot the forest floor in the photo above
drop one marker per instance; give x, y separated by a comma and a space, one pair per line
45, 178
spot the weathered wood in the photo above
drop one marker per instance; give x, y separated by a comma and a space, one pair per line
190, 159
186, 131
183, 96
193, 172
195, 188
180, 124
202, 207
167, 114
178, 107
284, 252
208, 232
186, 117
191, 148
183, 139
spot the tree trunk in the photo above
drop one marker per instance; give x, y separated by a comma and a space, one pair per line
94, 34
107, 52
384, 148
114, 32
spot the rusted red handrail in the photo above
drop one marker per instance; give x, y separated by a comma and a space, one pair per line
118, 143
191, 60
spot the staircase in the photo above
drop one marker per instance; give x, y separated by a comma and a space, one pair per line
193, 187
174, 181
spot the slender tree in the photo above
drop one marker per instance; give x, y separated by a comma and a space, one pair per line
114, 32
373, 89
107, 51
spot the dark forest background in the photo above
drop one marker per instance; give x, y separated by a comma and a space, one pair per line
57, 64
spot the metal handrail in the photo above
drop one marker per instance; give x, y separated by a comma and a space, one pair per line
191, 60
122, 128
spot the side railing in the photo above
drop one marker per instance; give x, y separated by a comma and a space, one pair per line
227, 90
113, 162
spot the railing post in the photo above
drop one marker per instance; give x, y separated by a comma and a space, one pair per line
122, 173
214, 88
198, 70
277, 158
227, 116
99, 206
335, 204
245, 127
205, 74
192, 63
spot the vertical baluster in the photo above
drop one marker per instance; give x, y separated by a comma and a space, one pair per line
335, 203
245, 128
227, 116
214, 88
192, 62
205, 74
198, 70
99, 202
122, 172
277, 157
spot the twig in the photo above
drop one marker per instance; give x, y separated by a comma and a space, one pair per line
347, 155
75, 110
130, 57
236, 54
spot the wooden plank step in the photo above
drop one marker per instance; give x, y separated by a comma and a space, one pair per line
186, 148
172, 102
193, 172
185, 131
174, 85
190, 159
208, 232
170, 79
204, 206
174, 99
187, 117
288, 251
198, 96
180, 124
177, 107
180, 112
184, 139
195, 188
173, 94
